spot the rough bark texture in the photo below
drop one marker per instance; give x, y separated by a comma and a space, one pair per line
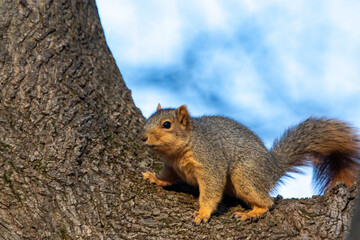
70, 158
355, 222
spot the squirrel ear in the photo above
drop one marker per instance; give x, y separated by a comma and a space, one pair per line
183, 116
158, 107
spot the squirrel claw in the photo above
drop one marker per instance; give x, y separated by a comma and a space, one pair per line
254, 214
154, 180
243, 216
195, 214
149, 176
199, 219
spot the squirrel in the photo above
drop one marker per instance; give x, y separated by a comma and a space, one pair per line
222, 156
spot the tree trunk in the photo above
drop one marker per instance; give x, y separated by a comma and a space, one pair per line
355, 222
70, 158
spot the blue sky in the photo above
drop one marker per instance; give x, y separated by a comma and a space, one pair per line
267, 64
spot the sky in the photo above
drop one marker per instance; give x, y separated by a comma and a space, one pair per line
266, 64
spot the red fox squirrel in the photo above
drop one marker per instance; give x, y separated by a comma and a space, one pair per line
222, 156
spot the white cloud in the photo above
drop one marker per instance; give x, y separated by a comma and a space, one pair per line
145, 35
318, 49
342, 60
213, 13
256, 7
149, 98
298, 186
345, 17
342, 76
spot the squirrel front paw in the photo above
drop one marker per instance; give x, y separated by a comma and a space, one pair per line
154, 180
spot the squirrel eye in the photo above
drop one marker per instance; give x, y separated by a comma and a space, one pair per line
166, 125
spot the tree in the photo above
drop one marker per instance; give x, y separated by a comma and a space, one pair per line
355, 222
70, 157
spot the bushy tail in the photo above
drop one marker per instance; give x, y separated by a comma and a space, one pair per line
332, 146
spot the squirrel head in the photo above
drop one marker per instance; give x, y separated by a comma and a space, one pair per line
168, 130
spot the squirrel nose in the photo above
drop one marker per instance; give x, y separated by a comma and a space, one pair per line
144, 138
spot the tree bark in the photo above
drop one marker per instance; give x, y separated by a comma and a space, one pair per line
70, 157
355, 222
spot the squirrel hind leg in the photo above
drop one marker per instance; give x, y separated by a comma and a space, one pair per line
254, 214
259, 200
